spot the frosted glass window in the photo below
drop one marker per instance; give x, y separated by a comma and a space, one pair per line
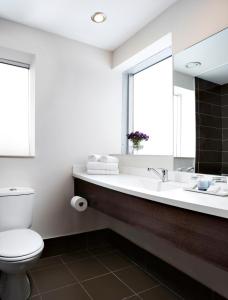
15, 111
153, 107
184, 122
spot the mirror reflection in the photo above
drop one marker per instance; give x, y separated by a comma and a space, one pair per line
201, 106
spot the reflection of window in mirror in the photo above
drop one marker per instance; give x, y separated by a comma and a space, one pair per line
184, 122
151, 106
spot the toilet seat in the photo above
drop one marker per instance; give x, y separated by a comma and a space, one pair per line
19, 244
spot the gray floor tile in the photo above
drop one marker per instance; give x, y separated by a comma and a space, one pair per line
132, 298
47, 262
87, 268
76, 255
52, 278
159, 293
107, 287
73, 292
102, 250
36, 298
136, 279
114, 261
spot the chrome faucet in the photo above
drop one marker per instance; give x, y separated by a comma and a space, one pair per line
190, 169
163, 175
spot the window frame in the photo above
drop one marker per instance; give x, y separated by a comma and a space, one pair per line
31, 99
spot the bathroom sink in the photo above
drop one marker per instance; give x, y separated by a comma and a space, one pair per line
148, 183
158, 186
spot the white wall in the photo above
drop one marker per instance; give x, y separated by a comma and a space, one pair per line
78, 110
184, 80
190, 21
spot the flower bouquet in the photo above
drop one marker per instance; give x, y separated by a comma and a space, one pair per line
136, 138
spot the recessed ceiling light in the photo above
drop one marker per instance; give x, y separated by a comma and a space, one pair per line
193, 64
98, 17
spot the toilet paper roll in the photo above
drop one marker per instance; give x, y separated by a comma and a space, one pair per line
79, 203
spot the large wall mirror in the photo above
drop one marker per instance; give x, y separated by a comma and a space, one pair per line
181, 102
201, 106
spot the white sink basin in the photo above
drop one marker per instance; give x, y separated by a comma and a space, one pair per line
157, 185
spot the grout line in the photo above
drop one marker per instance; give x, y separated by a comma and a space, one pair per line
208, 92
96, 256
58, 288
75, 277
211, 115
145, 271
95, 277
104, 274
201, 150
147, 290
155, 278
134, 293
211, 139
208, 103
130, 297
205, 126
121, 269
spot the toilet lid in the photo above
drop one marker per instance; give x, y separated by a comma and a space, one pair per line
19, 242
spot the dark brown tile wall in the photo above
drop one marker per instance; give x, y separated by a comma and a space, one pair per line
209, 127
224, 102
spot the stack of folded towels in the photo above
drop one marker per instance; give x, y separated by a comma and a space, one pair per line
102, 165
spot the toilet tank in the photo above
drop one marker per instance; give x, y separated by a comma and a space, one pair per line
16, 206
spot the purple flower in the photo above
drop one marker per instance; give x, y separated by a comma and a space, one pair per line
137, 137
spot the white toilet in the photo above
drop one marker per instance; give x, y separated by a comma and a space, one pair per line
20, 247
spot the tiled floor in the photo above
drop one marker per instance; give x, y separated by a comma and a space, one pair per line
95, 274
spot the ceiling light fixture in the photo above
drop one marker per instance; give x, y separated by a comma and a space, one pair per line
98, 17
193, 64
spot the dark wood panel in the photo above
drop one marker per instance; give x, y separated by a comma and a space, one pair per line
199, 234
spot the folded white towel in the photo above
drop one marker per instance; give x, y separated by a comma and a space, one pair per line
102, 172
102, 166
108, 159
94, 157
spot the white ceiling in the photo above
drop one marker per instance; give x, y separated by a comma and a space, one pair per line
212, 53
71, 18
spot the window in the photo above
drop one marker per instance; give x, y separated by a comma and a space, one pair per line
151, 105
16, 107
184, 122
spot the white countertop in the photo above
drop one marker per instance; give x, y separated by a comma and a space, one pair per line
141, 187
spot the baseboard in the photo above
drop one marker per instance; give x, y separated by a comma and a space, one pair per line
74, 242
